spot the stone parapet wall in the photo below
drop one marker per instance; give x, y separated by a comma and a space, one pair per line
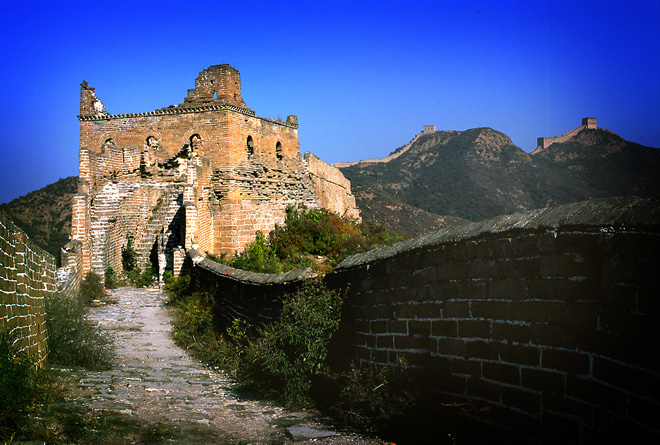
547, 318
27, 277
70, 274
331, 188
239, 294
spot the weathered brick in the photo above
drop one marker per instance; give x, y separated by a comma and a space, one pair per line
482, 349
545, 334
512, 332
522, 399
489, 309
483, 389
502, 372
444, 328
507, 289
521, 354
472, 289
565, 361
456, 309
544, 380
474, 328
397, 326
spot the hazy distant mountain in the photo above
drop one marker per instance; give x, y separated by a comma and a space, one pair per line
479, 173
45, 214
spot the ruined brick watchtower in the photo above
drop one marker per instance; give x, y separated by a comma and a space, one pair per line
205, 174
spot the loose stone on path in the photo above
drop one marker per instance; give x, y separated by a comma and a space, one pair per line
157, 381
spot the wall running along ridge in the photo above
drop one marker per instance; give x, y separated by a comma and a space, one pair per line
547, 318
27, 277
205, 174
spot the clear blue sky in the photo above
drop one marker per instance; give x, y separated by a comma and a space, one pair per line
363, 77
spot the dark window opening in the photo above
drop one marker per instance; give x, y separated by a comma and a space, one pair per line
278, 151
250, 147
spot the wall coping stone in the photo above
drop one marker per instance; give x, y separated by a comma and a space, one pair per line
245, 276
184, 110
597, 215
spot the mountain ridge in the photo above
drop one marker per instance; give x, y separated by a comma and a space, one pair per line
479, 173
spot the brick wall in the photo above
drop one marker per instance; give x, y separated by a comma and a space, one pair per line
548, 318
70, 274
27, 277
231, 172
250, 296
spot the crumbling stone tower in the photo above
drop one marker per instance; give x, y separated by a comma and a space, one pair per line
204, 174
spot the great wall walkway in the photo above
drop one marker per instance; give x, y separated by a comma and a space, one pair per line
157, 381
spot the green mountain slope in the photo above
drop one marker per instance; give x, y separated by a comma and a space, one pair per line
479, 173
45, 214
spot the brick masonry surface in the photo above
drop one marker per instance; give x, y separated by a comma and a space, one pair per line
27, 277
546, 318
205, 174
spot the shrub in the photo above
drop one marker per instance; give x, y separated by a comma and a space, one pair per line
288, 353
373, 398
128, 254
306, 236
110, 278
17, 386
91, 288
178, 288
74, 340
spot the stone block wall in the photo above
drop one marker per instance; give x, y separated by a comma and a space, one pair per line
70, 274
331, 188
547, 318
250, 296
235, 173
27, 277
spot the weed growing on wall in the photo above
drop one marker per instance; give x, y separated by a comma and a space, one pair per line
73, 340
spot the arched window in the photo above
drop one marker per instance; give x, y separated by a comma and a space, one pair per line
250, 147
278, 151
110, 142
196, 144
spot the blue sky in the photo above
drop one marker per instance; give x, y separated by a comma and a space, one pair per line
363, 77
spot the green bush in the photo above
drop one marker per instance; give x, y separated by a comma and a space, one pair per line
315, 238
178, 288
128, 254
17, 384
287, 354
91, 288
110, 278
373, 398
73, 340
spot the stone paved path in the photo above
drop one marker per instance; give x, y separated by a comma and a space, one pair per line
158, 382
